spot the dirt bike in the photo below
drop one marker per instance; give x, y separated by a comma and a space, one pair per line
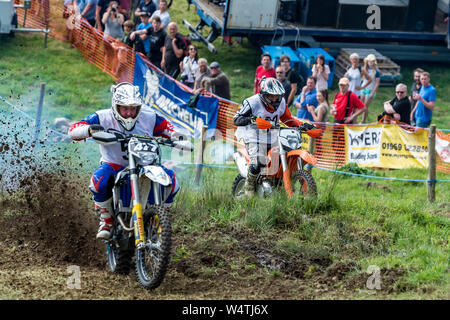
140, 229
291, 174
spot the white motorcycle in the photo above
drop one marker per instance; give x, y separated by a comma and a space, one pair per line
140, 229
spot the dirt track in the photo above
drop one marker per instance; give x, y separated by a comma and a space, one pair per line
47, 225
54, 228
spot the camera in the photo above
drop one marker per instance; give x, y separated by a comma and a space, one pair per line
113, 9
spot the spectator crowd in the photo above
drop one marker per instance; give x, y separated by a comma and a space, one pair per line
145, 25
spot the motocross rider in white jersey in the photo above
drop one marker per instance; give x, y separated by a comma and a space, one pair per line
268, 104
127, 116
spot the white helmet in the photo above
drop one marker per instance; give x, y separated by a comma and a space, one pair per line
271, 86
125, 94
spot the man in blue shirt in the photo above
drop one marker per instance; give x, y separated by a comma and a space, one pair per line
145, 24
87, 10
307, 97
423, 111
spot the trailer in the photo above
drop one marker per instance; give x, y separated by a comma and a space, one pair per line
403, 29
9, 22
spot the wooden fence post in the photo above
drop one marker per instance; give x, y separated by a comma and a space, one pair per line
311, 146
431, 183
199, 160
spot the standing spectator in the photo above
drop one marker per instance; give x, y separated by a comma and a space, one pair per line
144, 41
163, 14
346, 104
157, 36
127, 31
87, 10
321, 71
307, 98
355, 74
219, 83
147, 6
113, 21
294, 78
398, 108
202, 72
102, 6
173, 50
370, 91
264, 70
125, 8
281, 76
320, 114
415, 88
423, 110
189, 66
346, 107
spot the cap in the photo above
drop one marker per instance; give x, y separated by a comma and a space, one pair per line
144, 13
215, 64
344, 80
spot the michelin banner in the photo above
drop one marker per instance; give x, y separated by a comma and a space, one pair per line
169, 100
386, 146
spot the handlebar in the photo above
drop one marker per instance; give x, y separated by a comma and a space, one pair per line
111, 136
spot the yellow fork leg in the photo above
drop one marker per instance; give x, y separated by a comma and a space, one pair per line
139, 234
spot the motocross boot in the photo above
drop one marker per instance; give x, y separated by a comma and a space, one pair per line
104, 209
250, 183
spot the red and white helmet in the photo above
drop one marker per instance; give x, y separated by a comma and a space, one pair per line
273, 87
125, 94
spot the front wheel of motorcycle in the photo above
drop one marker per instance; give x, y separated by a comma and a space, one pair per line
238, 191
303, 183
153, 258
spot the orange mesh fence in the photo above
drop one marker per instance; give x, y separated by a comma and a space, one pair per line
117, 59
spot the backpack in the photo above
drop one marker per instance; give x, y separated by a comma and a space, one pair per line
187, 42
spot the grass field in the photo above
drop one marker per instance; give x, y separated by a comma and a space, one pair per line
355, 223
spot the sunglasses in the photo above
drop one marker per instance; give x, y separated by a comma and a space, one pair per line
191, 48
400, 91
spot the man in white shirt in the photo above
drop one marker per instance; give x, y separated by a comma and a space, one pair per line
162, 13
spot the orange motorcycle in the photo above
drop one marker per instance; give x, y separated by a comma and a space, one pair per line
291, 173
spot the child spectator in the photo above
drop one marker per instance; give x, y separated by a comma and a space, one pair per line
370, 91
127, 30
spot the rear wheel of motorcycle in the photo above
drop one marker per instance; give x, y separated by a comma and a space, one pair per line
152, 261
238, 187
303, 183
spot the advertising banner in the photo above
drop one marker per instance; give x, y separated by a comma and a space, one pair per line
386, 146
170, 101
